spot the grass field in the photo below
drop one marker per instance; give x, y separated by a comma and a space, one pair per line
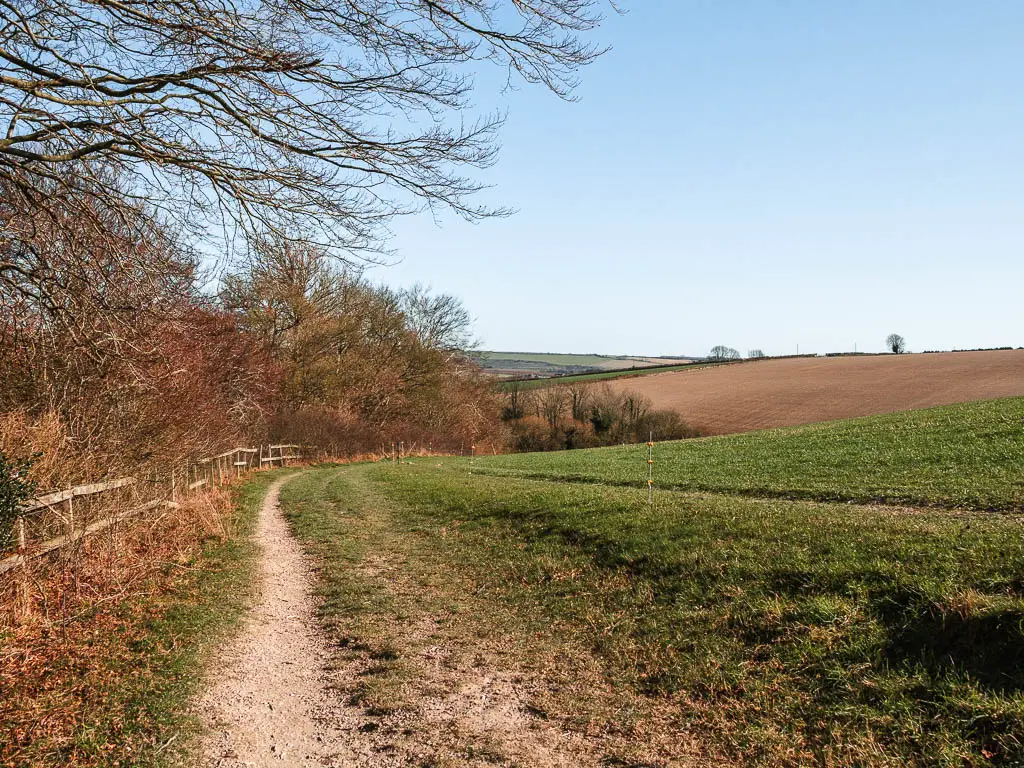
555, 364
969, 455
624, 373
596, 361
709, 627
762, 394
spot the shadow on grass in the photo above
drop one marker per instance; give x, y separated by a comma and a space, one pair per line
986, 645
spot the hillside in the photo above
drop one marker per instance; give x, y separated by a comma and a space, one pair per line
526, 364
759, 609
963, 455
777, 393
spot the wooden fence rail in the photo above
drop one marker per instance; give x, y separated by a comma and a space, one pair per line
193, 475
281, 456
50, 499
24, 555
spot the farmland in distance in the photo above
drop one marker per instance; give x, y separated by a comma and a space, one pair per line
785, 392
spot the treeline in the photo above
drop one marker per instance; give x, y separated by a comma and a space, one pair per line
116, 353
360, 365
137, 134
585, 415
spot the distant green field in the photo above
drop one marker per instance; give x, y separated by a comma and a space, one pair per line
628, 373
596, 361
767, 631
553, 364
969, 455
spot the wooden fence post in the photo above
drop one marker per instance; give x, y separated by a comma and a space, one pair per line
23, 580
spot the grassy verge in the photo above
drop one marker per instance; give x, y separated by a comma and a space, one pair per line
778, 632
111, 685
329, 514
967, 455
414, 622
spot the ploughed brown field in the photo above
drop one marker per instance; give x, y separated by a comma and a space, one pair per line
778, 393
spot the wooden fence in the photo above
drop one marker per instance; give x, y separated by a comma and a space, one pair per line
56, 511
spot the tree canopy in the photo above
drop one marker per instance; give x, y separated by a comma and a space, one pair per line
722, 352
280, 115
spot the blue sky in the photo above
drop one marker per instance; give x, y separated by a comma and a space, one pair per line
761, 175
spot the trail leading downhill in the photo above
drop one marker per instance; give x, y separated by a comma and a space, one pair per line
269, 703
283, 695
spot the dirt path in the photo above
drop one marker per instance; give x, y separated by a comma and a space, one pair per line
269, 704
425, 690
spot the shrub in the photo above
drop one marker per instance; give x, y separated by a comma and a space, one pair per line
15, 490
531, 433
664, 425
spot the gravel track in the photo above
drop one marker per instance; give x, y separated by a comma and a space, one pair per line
268, 703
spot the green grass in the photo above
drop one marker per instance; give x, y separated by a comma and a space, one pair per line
560, 365
783, 632
769, 631
387, 571
969, 455
557, 359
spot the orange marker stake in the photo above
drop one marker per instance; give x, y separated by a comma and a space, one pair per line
650, 470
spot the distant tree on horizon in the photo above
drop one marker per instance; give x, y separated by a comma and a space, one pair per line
722, 352
755, 354
896, 343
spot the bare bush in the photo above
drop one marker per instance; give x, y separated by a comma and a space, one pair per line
110, 355
585, 415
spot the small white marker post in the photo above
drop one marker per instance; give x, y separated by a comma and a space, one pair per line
650, 469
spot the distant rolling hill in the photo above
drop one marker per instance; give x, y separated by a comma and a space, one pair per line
540, 364
786, 392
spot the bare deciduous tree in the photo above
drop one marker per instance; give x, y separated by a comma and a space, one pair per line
268, 114
514, 410
440, 321
551, 402
896, 343
722, 352
755, 354
579, 398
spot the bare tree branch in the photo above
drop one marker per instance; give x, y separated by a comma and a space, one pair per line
271, 115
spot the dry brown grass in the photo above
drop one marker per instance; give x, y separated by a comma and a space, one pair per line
76, 650
778, 393
47, 440
113, 562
